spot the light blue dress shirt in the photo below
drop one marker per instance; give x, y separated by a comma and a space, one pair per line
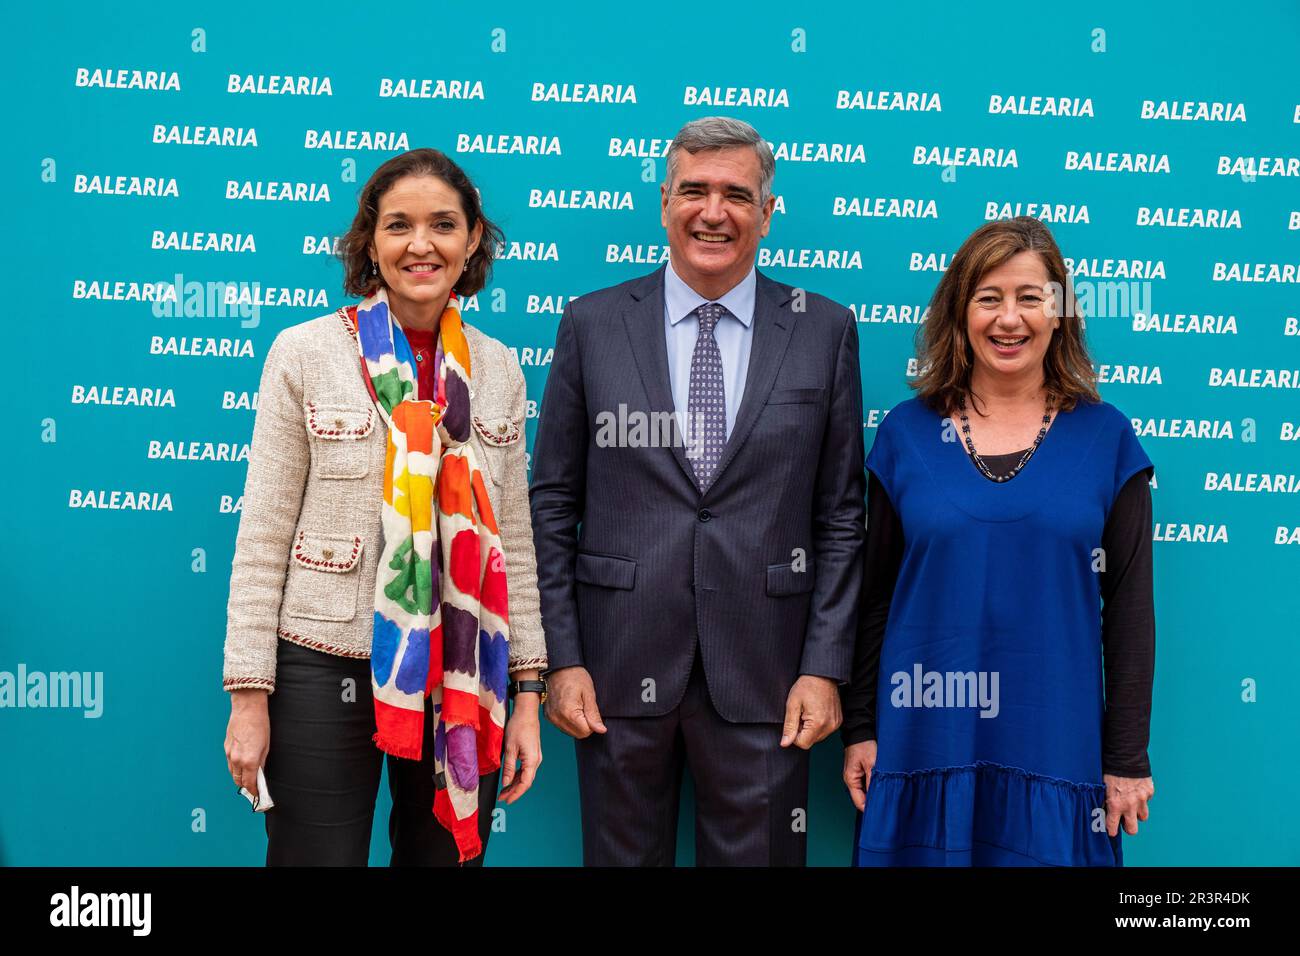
734, 334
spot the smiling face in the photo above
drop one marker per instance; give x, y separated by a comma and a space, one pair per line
714, 217
1010, 320
422, 241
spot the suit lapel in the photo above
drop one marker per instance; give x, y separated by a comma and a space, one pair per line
644, 320
773, 325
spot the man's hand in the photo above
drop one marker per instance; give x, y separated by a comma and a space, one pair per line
859, 759
571, 702
812, 711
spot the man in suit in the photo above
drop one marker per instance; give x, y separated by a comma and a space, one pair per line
699, 600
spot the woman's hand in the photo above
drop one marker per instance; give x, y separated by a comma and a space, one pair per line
1126, 802
248, 737
859, 759
523, 744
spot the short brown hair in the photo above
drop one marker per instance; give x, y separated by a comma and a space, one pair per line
354, 247
943, 350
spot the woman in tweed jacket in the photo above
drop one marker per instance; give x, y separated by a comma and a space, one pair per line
302, 587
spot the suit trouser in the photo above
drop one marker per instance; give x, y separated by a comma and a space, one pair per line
323, 772
749, 791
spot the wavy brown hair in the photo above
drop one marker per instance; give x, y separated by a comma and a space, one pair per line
354, 247
943, 349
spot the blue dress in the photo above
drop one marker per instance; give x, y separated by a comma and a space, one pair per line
990, 694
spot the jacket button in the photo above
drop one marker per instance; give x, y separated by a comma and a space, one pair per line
705, 514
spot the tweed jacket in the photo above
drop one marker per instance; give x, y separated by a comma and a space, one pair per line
310, 536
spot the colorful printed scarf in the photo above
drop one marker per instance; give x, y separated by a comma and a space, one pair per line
441, 624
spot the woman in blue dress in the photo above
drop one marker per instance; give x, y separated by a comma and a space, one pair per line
1008, 558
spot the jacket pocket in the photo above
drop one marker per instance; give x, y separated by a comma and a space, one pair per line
605, 570
498, 436
783, 580
795, 396
323, 577
338, 439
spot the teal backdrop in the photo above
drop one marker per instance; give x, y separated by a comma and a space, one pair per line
1163, 149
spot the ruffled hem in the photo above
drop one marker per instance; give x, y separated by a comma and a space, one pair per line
984, 814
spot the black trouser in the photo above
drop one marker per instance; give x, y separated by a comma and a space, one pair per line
751, 794
323, 772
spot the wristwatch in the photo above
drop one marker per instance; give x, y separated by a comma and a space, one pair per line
528, 687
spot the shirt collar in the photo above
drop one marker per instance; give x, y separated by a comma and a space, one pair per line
681, 300
419, 337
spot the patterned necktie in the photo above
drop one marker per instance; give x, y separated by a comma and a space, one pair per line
706, 403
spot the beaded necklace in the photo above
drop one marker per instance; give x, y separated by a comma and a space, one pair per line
1029, 453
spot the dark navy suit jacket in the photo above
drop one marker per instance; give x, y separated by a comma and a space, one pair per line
635, 565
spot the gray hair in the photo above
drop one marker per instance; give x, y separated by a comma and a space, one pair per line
723, 132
